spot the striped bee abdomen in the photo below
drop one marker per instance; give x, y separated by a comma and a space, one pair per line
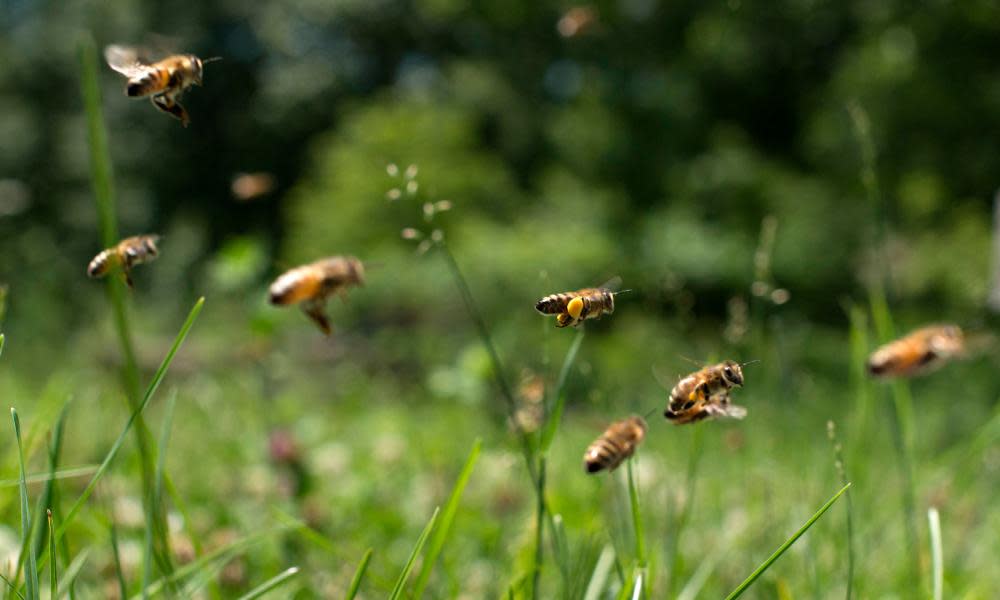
617, 443
553, 304
101, 264
153, 80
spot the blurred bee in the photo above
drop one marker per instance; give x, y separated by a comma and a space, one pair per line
164, 80
705, 394
250, 186
616, 444
573, 308
126, 254
312, 284
919, 352
577, 21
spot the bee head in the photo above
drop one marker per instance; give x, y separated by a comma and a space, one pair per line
150, 242
357, 270
196, 68
732, 372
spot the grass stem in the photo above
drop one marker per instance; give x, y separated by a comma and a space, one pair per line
838, 458
937, 554
359, 575
785, 546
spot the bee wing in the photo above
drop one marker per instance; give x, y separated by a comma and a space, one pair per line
125, 60
735, 412
611, 285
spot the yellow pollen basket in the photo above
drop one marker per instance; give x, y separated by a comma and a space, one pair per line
575, 307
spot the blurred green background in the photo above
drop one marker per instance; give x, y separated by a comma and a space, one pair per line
711, 154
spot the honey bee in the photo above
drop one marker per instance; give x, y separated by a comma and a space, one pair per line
917, 353
312, 284
616, 444
705, 394
573, 308
126, 254
164, 80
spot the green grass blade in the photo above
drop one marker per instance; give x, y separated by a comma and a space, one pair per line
31, 576
447, 518
155, 383
2, 341
359, 575
102, 182
680, 524
53, 575
397, 590
272, 583
71, 572
838, 459
11, 586
788, 544
115, 554
45, 500
554, 416
67, 473
222, 554
560, 550
540, 510
633, 496
937, 554
151, 530
599, 578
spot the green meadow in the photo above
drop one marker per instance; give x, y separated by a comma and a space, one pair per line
788, 186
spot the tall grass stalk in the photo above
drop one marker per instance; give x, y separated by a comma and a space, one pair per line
447, 519
31, 576
690, 487
150, 390
71, 572
532, 450
838, 459
599, 578
151, 533
633, 496
116, 555
749, 581
397, 590
554, 408
882, 317
937, 554
499, 373
102, 182
359, 575
47, 499
53, 570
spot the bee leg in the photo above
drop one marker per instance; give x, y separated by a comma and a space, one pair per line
317, 312
172, 107
127, 276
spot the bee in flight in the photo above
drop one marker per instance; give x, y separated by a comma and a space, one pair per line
125, 254
163, 81
616, 444
573, 308
705, 394
312, 284
917, 353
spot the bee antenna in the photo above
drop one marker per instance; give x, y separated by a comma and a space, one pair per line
205, 61
750, 362
650, 413
690, 360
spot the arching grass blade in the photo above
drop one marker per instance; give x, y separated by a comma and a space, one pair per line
788, 544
